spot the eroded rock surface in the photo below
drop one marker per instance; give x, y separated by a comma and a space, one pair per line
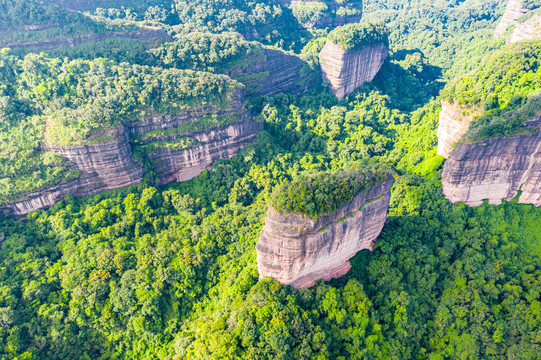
297, 250
452, 125
218, 143
527, 30
108, 164
495, 169
513, 11
348, 70
143, 34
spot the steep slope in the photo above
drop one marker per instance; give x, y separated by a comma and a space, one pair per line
497, 152
527, 28
298, 250
262, 70
193, 120
352, 56
495, 169
515, 9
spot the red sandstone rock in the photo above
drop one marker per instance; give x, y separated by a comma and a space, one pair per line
298, 250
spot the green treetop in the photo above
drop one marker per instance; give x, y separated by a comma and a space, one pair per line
325, 192
355, 36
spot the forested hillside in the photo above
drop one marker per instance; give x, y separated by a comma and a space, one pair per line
170, 272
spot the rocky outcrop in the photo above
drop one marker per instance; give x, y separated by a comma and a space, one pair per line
148, 33
348, 70
109, 160
338, 13
297, 250
495, 169
513, 11
529, 29
105, 162
275, 72
219, 143
453, 123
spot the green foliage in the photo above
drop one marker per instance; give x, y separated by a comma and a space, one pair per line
531, 4
506, 85
356, 36
324, 193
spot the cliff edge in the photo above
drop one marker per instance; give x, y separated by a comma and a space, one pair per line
352, 56
297, 250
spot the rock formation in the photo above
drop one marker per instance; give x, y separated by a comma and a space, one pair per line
513, 11
348, 70
453, 123
338, 12
108, 164
495, 169
529, 29
146, 33
275, 72
298, 250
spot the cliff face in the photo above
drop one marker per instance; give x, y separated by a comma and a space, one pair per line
348, 70
108, 164
275, 72
104, 165
143, 34
495, 169
530, 29
219, 143
297, 250
452, 125
513, 11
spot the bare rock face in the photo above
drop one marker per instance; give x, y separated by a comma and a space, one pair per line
110, 160
348, 70
298, 250
275, 72
513, 11
108, 164
495, 169
530, 29
219, 143
147, 33
452, 125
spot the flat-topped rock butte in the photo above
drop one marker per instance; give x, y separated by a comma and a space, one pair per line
348, 70
297, 250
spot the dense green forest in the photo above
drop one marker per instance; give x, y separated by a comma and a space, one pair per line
171, 273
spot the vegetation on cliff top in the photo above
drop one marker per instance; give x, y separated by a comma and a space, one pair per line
356, 36
531, 4
63, 103
324, 193
503, 83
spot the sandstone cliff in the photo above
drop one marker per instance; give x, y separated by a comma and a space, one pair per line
495, 169
529, 29
147, 33
348, 70
513, 11
275, 72
452, 125
297, 250
106, 163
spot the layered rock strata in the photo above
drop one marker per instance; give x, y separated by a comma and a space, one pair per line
527, 30
143, 34
275, 72
108, 164
513, 11
495, 169
348, 70
219, 143
297, 250
453, 123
